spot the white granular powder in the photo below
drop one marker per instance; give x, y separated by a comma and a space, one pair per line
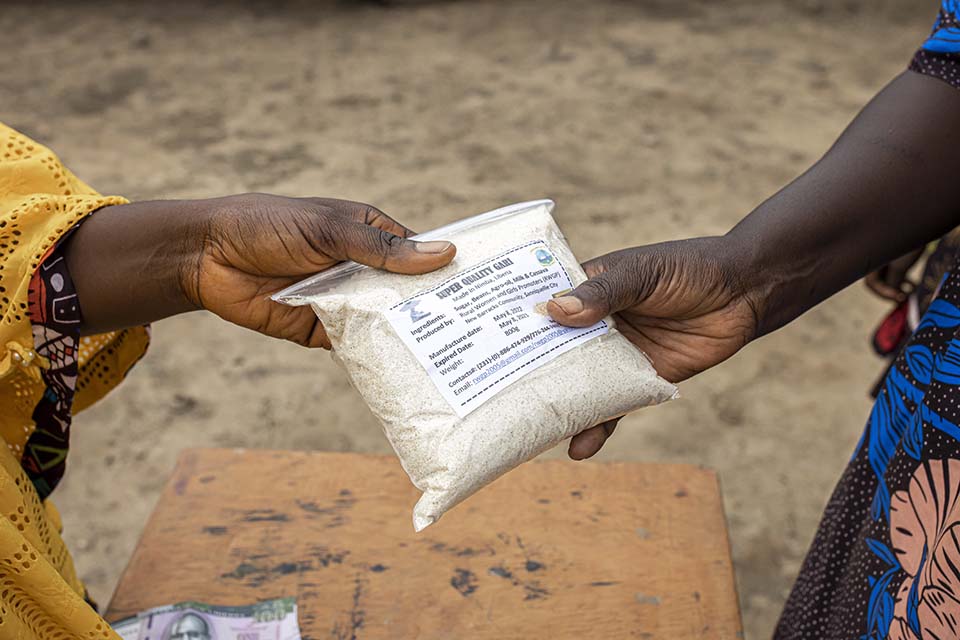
448, 457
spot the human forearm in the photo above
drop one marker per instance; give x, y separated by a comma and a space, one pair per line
888, 185
128, 262
133, 264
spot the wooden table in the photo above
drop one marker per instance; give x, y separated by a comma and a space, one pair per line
554, 550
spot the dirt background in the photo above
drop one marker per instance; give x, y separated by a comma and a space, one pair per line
644, 120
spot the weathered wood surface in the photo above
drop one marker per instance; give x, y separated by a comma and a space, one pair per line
554, 550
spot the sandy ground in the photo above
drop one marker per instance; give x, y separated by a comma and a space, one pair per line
644, 120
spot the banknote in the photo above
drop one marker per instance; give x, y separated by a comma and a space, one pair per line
128, 628
267, 620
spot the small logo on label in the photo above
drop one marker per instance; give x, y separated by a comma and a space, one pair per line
410, 306
543, 257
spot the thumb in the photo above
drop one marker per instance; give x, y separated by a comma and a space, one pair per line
607, 292
385, 250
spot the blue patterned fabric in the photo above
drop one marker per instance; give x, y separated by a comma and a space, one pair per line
946, 30
885, 562
939, 56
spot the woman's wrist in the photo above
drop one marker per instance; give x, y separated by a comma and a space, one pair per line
132, 264
731, 261
769, 281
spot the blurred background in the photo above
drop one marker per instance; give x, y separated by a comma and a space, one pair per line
644, 120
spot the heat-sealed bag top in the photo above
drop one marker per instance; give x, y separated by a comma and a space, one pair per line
463, 367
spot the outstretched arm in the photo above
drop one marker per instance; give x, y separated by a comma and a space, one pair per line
888, 185
135, 263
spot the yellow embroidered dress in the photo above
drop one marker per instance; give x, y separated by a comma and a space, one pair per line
46, 372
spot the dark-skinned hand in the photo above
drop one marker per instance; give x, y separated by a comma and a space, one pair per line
675, 301
136, 263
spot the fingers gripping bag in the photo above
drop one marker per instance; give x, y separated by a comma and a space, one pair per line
463, 367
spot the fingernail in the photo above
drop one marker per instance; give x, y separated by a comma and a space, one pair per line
571, 305
436, 246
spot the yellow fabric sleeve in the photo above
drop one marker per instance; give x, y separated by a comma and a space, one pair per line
40, 201
41, 597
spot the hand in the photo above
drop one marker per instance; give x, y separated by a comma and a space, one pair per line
682, 303
137, 263
890, 281
256, 245
694, 303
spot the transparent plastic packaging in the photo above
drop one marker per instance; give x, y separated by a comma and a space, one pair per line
546, 396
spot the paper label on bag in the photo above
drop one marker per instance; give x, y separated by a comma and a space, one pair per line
486, 327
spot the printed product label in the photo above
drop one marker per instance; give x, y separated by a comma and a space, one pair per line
486, 327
